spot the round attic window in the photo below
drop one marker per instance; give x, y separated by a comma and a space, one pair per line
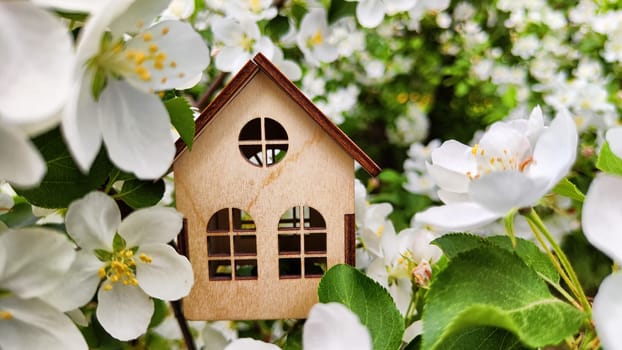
263, 142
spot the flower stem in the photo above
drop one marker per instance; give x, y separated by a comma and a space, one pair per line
183, 325
533, 218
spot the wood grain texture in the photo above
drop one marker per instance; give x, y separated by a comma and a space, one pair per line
350, 239
316, 171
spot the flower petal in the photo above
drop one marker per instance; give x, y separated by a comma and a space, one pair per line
601, 221
447, 179
80, 125
250, 344
92, 221
151, 225
333, 326
556, 150
124, 311
49, 256
78, 285
455, 156
172, 41
607, 312
36, 325
41, 51
136, 130
138, 15
501, 191
370, 13
20, 162
456, 216
72, 5
614, 138
168, 276
231, 58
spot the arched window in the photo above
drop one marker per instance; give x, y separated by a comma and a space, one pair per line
302, 243
263, 142
231, 245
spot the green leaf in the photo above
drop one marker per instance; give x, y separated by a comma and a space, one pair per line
182, 118
482, 338
277, 27
530, 254
339, 9
118, 243
568, 189
367, 299
19, 216
608, 162
140, 194
63, 181
455, 243
488, 286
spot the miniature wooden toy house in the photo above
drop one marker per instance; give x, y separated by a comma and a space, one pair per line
268, 196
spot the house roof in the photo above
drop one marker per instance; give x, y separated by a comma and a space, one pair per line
261, 63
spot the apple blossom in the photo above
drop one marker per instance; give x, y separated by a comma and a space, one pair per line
370, 13
131, 257
41, 51
26, 320
514, 164
113, 96
312, 38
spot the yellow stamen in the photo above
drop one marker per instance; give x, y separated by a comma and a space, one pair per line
139, 57
145, 258
165, 30
173, 64
101, 272
143, 73
107, 287
474, 149
163, 81
317, 38
153, 48
158, 65
147, 36
6, 315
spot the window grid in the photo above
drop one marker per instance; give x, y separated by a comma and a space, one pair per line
302, 244
269, 148
231, 246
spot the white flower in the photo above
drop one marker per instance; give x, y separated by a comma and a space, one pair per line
515, 164
250, 344
614, 138
312, 38
32, 263
113, 98
131, 256
333, 326
241, 39
37, 64
288, 67
179, 9
255, 10
370, 13
602, 226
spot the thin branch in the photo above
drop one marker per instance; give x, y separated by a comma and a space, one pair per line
183, 325
211, 90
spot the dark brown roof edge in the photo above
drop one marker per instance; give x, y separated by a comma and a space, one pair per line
221, 100
245, 74
331, 129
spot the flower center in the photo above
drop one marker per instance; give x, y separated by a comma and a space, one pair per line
122, 268
255, 6
500, 161
316, 39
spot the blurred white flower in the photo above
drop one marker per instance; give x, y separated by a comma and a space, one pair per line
515, 164
37, 65
241, 40
370, 13
132, 258
28, 322
118, 72
178, 9
312, 38
256, 10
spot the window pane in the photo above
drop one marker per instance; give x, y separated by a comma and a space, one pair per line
245, 245
252, 153
220, 270
275, 153
315, 243
289, 268
218, 246
315, 267
290, 219
219, 222
289, 244
242, 221
251, 131
274, 130
246, 269
313, 219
